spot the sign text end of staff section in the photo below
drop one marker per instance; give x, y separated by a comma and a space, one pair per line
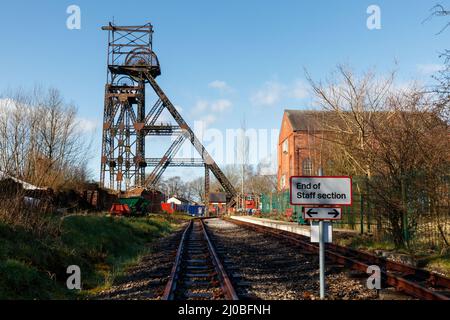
321, 190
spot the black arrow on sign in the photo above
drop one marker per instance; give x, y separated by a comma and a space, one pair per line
310, 213
334, 212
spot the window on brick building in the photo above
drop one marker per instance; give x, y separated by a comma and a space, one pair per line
283, 181
307, 167
285, 146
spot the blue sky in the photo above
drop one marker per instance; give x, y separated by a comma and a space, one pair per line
243, 59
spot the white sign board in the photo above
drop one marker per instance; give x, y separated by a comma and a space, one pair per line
327, 232
322, 213
321, 191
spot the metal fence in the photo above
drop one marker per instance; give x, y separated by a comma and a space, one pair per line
277, 205
426, 224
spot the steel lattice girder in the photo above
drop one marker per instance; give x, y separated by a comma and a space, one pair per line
130, 55
220, 176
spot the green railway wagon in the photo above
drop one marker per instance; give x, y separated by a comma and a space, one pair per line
137, 205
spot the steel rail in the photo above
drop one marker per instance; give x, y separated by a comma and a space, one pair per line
352, 259
227, 286
172, 283
424, 275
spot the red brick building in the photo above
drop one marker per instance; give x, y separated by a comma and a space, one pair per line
217, 203
299, 145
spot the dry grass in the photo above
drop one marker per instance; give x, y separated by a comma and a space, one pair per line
32, 217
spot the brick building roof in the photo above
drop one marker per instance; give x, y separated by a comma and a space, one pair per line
217, 197
304, 120
307, 120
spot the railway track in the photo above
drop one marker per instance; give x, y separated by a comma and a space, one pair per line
198, 273
415, 282
263, 267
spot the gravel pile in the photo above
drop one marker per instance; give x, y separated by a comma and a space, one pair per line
264, 267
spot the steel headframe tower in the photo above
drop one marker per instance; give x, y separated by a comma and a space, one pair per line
131, 65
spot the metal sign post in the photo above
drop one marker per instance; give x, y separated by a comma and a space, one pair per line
324, 194
322, 260
321, 254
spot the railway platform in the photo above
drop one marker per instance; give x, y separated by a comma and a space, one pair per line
304, 230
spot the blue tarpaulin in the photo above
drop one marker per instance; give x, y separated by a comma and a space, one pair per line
197, 211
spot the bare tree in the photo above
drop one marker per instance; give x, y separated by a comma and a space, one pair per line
442, 89
439, 11
40, 141
197, 187
255, 182
15, 126
395, 138
263, 184
175, 186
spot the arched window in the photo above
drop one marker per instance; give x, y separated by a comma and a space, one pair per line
307, 167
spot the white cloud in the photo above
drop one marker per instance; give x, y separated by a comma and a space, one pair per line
207, 111
268, 95
299, 90
220, 85
86, 125
217, 106
201, 106
6, 104
208, 119
221, 105
179, 109
407, 86
430, 68
272, 92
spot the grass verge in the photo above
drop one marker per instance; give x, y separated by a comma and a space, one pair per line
34, 267
439, 262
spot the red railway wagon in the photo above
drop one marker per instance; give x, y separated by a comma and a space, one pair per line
167, 207
250, 202
118, 209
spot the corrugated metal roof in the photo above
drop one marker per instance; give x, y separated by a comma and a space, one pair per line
25, 185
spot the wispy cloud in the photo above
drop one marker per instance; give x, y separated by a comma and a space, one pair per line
85, 125
273, 92
221, 105
166, 117
179, 108
220, 85
207, 111
299, 90
268, 95
200, 106
6, 104
208, 119
430, 68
